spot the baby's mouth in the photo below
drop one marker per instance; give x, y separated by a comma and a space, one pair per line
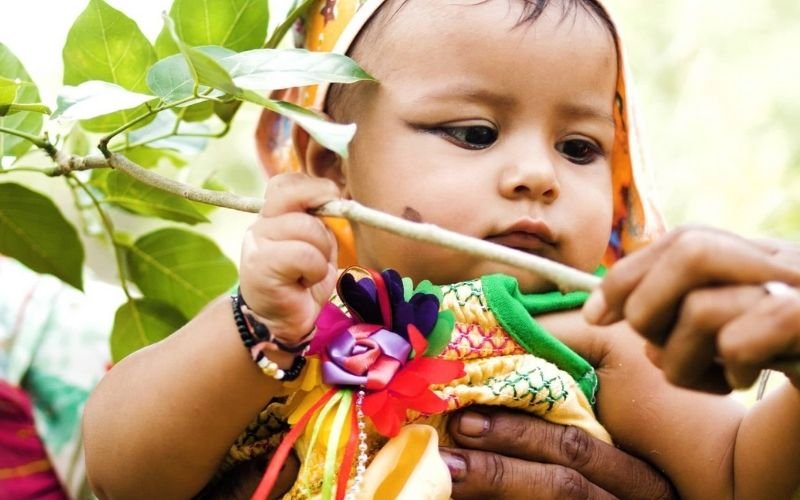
522, 240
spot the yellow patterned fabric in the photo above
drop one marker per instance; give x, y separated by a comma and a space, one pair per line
499, 372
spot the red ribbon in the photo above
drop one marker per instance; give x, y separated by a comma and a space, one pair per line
279, 458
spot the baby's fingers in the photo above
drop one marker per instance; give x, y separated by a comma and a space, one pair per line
296, 226
297, 193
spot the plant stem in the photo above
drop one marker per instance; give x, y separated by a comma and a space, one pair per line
103, 144
565, 277
287, 24
217, 198
215, 135
109, 227
39, 142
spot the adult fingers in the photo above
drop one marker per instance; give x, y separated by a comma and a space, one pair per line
297, 193
694, 258
533, 440
690, 354
766, 335
480, 474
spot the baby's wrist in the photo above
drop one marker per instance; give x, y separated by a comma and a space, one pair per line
280, 359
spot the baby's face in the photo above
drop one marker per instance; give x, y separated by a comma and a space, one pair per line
499, 132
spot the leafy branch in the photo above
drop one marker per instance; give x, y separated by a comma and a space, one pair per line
141, 103
567, 278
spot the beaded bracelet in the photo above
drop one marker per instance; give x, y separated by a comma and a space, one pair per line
257, 339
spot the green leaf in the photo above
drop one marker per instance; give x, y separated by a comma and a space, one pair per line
198, 112
333, 136
287, 23
139, 323
172, 79
33, 231
270, 69
225, 111
159, 134
8, 95
181, 268
205, 70
125, 192
96, 98
150, 157
235, 24
27, 93
104, 44
8, 90
77, 143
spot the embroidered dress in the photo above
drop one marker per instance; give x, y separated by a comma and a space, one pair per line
508, 360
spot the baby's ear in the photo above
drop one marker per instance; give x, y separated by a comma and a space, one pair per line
315, 159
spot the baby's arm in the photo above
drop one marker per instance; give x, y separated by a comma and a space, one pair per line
686, 434
160, 422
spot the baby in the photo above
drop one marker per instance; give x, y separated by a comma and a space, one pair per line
505, 120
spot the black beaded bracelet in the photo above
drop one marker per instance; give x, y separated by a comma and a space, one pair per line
257, 339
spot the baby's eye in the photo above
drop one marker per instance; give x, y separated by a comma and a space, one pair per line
469, 137
579, 151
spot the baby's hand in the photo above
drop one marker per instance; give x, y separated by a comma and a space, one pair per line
288, 264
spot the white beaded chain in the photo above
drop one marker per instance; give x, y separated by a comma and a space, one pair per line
361, 463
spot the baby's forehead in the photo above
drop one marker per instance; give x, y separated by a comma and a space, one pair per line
400, 19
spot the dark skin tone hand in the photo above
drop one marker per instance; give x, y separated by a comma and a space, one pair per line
507, 454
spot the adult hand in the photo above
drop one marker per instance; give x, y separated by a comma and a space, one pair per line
698, 296
507, 454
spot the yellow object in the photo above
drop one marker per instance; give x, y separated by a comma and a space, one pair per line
408, 468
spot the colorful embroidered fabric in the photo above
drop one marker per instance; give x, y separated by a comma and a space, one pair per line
487, 321
333, 25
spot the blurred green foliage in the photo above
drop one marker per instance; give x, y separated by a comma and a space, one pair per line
717, 83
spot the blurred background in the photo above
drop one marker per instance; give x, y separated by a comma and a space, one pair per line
717, 86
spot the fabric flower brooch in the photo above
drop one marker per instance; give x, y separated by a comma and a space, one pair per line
377, 361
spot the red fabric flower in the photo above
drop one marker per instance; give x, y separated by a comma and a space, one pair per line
410, 388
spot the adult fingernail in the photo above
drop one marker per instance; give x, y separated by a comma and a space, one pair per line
473, 424
595, 310
455, 464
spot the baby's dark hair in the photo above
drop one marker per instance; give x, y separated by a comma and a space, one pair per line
340, 95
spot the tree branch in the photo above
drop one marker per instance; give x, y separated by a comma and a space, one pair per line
567, 278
